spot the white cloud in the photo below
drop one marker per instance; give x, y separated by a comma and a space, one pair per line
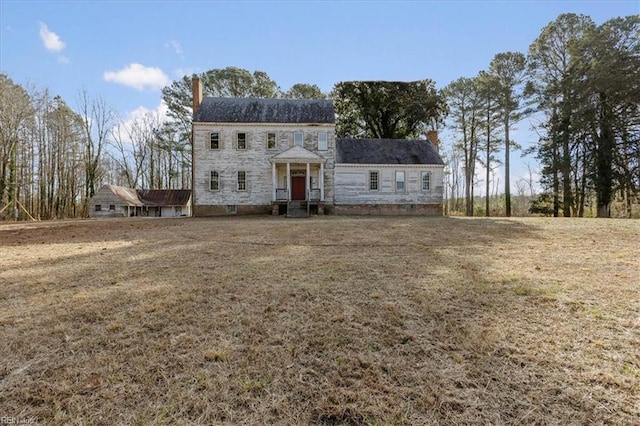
139, 119
139, 77
63, 59
52, 42
175, 46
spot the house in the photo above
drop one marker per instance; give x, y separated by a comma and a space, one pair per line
281, 156
115, 201
261, 155
118, 201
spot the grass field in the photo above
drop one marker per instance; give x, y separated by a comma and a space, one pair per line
327, 320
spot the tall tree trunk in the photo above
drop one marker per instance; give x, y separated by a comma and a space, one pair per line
604, 160
565, 167
487, 212
507, 183
556, 181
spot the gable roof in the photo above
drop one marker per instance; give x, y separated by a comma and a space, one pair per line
386, 151
165, 197
128, 196
252, 110
297, 153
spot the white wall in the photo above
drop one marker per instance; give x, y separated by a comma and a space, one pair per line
228, 160
352, 184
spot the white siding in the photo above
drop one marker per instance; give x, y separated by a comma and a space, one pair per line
352, 184
227, 160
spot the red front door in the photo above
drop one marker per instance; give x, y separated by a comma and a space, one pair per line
297, 187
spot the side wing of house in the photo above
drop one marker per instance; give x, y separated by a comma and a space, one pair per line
250, 155
374, 176
166, 202
114, 201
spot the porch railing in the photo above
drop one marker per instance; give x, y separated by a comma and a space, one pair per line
282, 194
314, 194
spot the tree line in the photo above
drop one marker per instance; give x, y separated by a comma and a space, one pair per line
581, 82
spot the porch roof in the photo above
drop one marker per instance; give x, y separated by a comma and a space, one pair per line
297, 154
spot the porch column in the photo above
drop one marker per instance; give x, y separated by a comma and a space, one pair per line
288, 181
321, 181
307, 183
274, 181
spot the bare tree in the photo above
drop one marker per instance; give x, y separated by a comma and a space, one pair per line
97, 120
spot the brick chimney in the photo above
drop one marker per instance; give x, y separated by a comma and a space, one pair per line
432, 136
196, 85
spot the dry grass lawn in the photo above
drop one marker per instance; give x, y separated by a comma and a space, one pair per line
327, 320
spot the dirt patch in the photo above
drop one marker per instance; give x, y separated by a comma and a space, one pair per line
327, 320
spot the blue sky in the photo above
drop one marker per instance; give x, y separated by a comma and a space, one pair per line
125, 51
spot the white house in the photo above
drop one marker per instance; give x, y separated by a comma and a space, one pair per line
281, 156
118, 201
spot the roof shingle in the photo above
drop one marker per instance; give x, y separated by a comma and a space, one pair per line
252, 110
386, 151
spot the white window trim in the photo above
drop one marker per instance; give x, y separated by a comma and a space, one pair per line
301, 133
326, 141
246, 141
211, 172
377, 172
275, 141
210, 136
422, 176
246, 184
404, 181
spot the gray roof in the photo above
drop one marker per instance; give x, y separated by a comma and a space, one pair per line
386, 151
251, 110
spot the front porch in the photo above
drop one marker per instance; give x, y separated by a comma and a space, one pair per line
297, 182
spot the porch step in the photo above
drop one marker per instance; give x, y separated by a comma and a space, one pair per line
297, 209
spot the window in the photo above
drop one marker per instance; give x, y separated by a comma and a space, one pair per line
112, 207
214, 140
98, 207
322, 141
242, 140
426, 181
214, 181
298, 139
373, 181
271, 140
242, 181
400, 181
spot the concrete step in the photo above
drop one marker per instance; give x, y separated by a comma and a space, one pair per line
297, 209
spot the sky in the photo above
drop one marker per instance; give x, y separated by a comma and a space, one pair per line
125, 51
